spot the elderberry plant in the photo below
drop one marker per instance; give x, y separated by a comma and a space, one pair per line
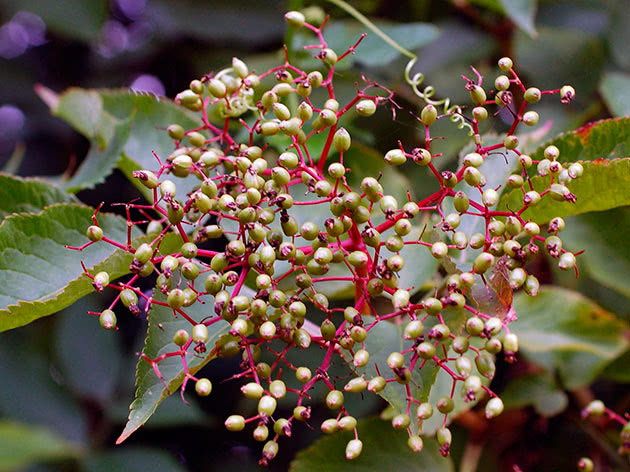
260, 289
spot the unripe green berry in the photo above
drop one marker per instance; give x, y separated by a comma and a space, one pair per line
377, 384
107, 319
401, 421
428, 115
235, 423
181, 337
334, 399
530, 118
366, 107
415, 443
505, 64
395, 157
342, 140
532, 95
203, 387
478, 95
494, 407
502, 82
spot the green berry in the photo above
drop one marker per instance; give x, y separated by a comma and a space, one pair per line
203, 387
428, 115
107, 319
235, 423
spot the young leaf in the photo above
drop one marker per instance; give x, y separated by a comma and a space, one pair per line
564, 331
383, 449
38, 275
20, 195
603, 186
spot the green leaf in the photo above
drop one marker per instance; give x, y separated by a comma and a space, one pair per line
602, 186
607, 254
133, 459
383, 449
24, 445
522, 13
28, 195
427, 384
564, 331
619, 34
120, 121
150, 390
101, 161
615, 89
373, 51
604, 139
537, 389
92, 367
38, 275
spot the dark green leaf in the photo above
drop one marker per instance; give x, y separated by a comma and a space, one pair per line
384, 449
562, 330
602, 186
89, 356
38, 275
118, 121
24, 445
522, 13
536, 389
607, 255
150, 391
33, 385
132, 460
21, 195
615, 88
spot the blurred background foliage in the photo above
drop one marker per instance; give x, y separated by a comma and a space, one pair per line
66, 383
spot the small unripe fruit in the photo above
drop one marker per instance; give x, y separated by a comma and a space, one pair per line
342, 140
428, 115
532, 95
567, 93
235, 423
181, 337
395, 157
494, 407
505, 64
480, 113
530, 118
424, 411
478, 95
107, 319
334, 399
203, 387
415, 443
366, 107
401, 421
267, 405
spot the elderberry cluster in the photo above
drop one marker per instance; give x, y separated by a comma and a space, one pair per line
264, 281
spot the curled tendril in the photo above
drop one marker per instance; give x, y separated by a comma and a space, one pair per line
453, 110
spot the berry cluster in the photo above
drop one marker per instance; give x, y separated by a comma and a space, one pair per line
253, 198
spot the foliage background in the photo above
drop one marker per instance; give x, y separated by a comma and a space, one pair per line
69, 376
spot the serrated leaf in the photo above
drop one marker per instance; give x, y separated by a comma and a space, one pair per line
604, 139
128, 122
383, 449
24, 445
38, 275
607, 255
427, 384
603, 186
150, 391
566, 332
522, 13
20, 195
615, 89
537, 389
